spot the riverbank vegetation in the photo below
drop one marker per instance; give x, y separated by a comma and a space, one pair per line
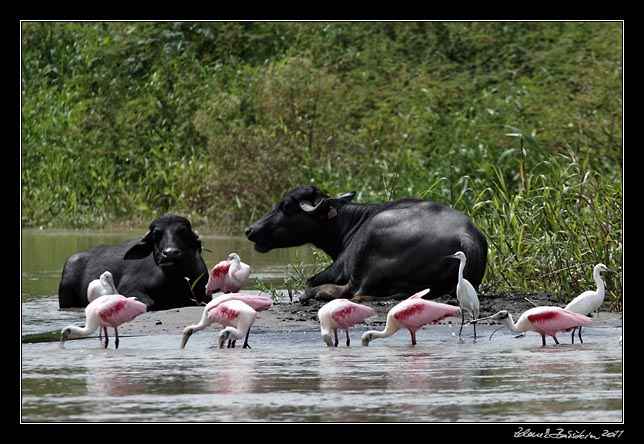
517, 124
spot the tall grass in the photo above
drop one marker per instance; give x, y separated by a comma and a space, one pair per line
550, 227
519, 125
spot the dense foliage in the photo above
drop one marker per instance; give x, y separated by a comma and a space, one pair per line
518, 125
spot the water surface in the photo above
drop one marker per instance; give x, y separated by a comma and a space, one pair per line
291, 375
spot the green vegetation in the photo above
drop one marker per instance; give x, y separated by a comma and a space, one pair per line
519, 125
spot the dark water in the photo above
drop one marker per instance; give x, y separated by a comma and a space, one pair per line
292, 376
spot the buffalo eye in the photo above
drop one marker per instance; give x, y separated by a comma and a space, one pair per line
182, 231
288, 206
157, 235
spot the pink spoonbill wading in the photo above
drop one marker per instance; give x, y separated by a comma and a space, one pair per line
228, 276
341, 313
257, 303
465, 293
589, 301
106, 311
234, 315
412, 313
547, 321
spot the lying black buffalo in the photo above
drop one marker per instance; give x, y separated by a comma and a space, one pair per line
391, 249
153, 269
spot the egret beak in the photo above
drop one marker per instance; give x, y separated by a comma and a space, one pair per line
184, 339
531, 301
453, 256
610, 271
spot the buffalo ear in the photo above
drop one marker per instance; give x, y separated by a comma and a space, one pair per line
338, 201
326, 208
142, 249
197, 240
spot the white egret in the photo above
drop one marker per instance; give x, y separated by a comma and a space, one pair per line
589, 301
466, 294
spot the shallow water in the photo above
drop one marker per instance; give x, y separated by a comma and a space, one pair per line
292, 376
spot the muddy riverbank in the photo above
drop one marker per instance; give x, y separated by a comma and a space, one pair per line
295, 315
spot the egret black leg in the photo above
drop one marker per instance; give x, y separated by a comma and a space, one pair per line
573, 335
246, 340
582, 341
474, 329
462, 322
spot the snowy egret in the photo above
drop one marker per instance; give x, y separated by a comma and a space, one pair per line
102, 286
466, 294
543, 320
589, 300
228, 276
412, 313
110, 310
341, 313
234, 315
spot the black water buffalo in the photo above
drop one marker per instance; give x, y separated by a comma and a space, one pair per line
391, 249
153, 268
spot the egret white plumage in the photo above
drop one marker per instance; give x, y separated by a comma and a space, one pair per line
543, 320
589, 301
102, 286
228, 276
465, 293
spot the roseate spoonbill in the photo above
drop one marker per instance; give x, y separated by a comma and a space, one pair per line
412, 313
234, 315
110, 310
341, 313
257, 303
590, 300
228, 276
102, 286
543, 320
465, 293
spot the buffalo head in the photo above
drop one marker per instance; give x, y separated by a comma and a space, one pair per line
296, 220
172, 242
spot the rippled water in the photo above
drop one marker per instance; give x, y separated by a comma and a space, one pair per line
293, 376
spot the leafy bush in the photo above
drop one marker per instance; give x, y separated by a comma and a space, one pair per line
124, 121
